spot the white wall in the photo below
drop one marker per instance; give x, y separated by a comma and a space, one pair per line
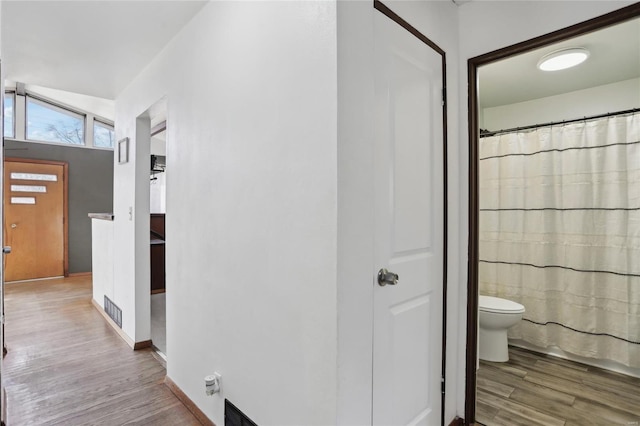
486, 26
130, 258
158, 191
438, 21
141, 218
158, 146
619, 96
159, 185
271, 202
251, 207
102, 259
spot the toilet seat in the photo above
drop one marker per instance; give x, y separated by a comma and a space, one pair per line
497, 305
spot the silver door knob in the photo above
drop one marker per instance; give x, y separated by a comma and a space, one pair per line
385, 277
6, 249
14, 226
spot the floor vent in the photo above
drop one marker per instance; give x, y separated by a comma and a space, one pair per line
113, 311
235, 417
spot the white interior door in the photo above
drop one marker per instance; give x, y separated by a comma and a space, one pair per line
409, 228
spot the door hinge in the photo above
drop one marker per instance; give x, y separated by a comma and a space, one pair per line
442, 385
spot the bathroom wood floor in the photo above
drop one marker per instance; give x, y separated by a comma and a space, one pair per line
536, 389
66, 366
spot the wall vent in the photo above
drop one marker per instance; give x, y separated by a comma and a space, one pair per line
235, 417
113, 311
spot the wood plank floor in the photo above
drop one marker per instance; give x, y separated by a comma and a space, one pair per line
536, 389
67, 366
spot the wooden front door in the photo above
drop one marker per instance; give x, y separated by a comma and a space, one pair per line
34, 219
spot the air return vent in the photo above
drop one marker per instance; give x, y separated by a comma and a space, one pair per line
113, 311
235, 417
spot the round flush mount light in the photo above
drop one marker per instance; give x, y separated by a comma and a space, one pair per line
563, 59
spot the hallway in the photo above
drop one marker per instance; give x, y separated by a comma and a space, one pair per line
66, 366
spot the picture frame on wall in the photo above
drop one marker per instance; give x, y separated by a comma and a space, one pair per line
123, 151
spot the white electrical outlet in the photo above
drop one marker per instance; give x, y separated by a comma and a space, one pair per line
212, 383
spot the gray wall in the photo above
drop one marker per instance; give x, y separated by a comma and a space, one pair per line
90, 190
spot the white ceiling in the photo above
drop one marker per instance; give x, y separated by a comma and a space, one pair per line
90, 47
97, 47
615, 56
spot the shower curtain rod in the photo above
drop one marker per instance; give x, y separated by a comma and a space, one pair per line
555, 123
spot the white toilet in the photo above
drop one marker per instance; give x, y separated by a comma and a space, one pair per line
496, 316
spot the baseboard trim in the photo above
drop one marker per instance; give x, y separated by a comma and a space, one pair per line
35, 279
142, 345
191, 406
134, 345
457, 421
79, 274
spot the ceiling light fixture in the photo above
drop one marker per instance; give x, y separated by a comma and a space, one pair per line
563, 59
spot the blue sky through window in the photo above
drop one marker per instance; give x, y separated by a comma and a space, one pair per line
51, 124
103, 136
8, 115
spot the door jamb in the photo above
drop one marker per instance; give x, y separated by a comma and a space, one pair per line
600, 22
381, 7
65, 201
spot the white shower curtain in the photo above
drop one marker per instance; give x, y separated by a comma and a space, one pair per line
560, 234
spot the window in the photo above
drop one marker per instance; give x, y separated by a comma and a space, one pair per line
48, 123
34, 118
103, 135
9, 130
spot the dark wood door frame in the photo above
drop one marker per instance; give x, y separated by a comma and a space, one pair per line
615, 17
65, 200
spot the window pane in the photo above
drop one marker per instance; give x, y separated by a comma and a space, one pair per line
103, 135
8, 115
52, 124
33, 176
23, 200
28, 188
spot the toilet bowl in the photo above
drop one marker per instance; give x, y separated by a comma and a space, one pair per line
496, 316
